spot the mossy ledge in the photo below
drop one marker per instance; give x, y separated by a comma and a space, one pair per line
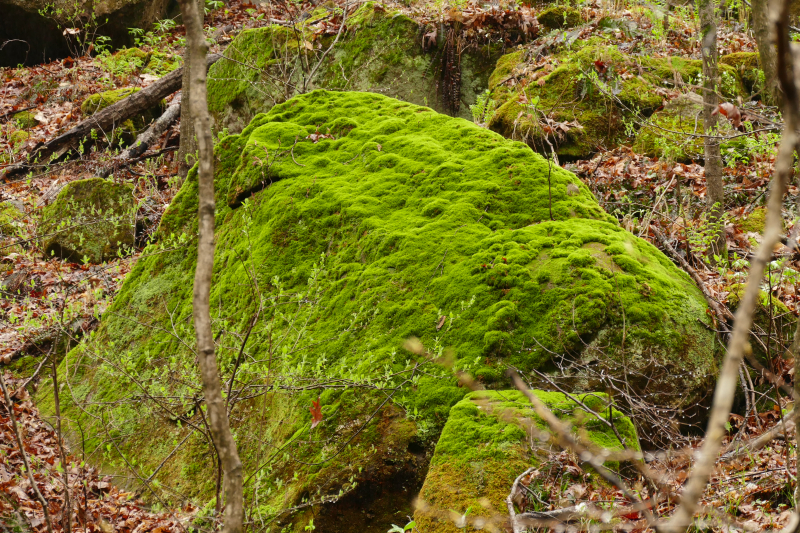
396, 222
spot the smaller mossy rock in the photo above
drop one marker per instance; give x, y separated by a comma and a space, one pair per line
559, 17
135, 60
771, 317
91, 218
748, 65
125, 132
668, 134
589, 94
380, 52
486, 444
25, 120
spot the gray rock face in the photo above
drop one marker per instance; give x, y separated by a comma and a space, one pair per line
31, 37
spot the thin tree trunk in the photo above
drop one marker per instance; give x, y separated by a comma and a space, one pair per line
766, 51
67, 515
713, 158
212, 387
187, 149
726, 385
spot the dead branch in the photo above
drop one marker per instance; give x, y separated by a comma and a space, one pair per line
756, 443
59, 148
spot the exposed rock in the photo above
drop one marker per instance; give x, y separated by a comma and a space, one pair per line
363, 221
381, 52
35, 38
577, 102
92, 219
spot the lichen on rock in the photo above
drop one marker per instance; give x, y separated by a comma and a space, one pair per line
359, 221
92, 219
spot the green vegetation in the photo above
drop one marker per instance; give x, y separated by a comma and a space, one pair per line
135, 60
559, 17
590, 98
397, 222
485, 445
127, 130
91, 219
25, 120
381, 52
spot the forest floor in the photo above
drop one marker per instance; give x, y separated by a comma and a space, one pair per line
645, 194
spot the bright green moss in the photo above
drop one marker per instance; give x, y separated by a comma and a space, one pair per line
135, 60
403, 217
91, 218
25, 120
559, 17
10, 220
486, 444
18, 137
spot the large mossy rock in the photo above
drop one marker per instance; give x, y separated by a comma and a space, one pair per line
583, 100
346, 224
381, 52
33, 30
89, 219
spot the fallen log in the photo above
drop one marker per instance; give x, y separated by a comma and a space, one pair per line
145, 140
59, 148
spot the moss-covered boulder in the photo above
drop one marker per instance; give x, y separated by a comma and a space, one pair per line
135, 60
748, 66
381, 51
578, 102
90, 219
668, 133
559, 17
127, 130
488, 441
346, 224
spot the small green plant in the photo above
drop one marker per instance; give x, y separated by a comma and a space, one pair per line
79, 26
408, 527
483, 109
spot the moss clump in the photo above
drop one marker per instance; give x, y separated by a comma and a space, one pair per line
754, 222
10, 223
18, 137
126, 131
381, 52
25, 120
748, 66
559, 17
399, 222
135, 60
485, 445
669, 135
92, 219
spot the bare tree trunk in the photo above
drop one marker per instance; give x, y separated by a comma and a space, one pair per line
739, 344
713, 158
187, 149
766, 51
212, 388
66, 520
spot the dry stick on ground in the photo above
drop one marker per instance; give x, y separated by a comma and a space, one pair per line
105, 119
34, 486
145, 140
212, 386
738, 345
